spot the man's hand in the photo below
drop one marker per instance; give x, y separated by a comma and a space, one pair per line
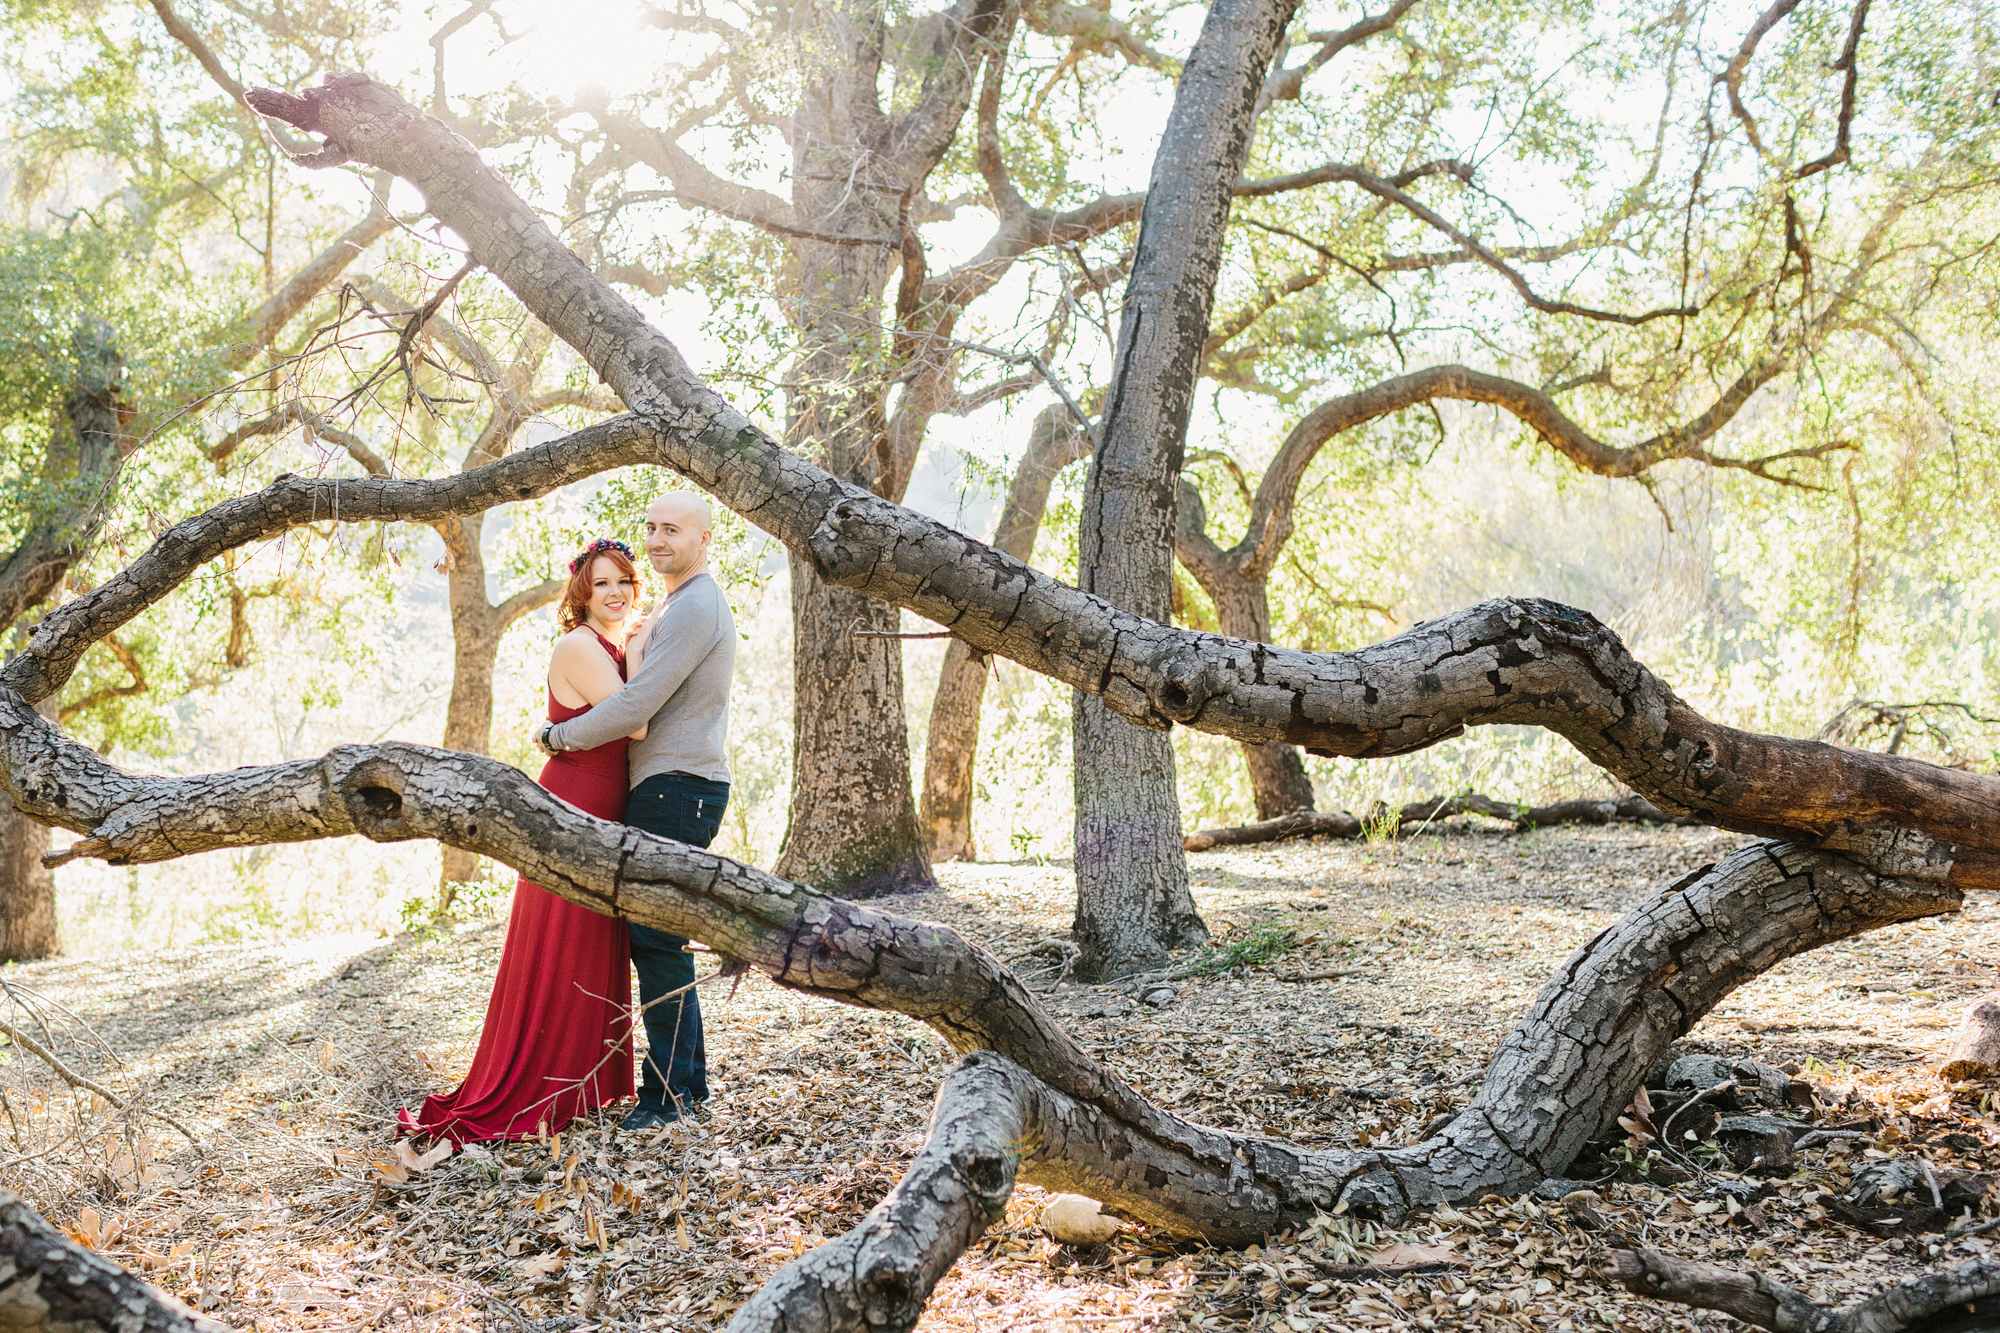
541, 736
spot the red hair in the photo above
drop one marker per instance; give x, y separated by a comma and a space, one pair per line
571, 611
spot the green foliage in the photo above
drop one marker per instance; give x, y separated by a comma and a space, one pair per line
1254, 947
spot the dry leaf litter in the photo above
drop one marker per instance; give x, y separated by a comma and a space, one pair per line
1352, 995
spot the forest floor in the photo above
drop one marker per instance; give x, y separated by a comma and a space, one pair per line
290, 1060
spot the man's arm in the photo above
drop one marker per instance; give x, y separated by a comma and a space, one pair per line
680, 638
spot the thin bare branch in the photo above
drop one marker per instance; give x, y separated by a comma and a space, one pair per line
1284, 84
1848, 61
76, 1080
1732, 75
284, 304
1388, 190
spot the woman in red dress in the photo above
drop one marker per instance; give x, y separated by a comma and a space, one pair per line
557, 1041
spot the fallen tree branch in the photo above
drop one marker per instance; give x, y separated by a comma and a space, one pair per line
1341, 824
50, 1284
1593, 1033
1757, 1299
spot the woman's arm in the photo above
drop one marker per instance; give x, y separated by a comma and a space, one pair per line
581, 672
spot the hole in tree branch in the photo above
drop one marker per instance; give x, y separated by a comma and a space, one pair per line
382, 802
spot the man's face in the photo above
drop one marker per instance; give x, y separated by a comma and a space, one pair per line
677, 538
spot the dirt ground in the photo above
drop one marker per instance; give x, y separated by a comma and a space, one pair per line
288, 1061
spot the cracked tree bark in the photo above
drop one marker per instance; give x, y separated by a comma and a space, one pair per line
1054, 442
50, 1284
1558, 1079
1132, 897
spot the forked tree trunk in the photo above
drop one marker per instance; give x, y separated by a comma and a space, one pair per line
1133, 902
1055, 441
853, 820
475, 643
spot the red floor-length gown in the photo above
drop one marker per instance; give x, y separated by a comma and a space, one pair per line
557, 1041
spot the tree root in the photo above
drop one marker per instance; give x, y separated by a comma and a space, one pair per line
50, 1284
1955, 1300
1341, 824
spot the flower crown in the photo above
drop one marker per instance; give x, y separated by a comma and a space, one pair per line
601, 544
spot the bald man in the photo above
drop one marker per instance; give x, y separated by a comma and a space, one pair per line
680, 778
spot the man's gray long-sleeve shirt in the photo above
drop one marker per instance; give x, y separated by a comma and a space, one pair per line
680, 694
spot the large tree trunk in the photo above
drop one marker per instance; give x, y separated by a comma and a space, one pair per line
853, 822
477, 627
86, 453
1055, 441
1131, 876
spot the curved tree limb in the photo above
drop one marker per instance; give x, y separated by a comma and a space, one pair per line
291, 501
991, 1116
1565, 1072
1270, 522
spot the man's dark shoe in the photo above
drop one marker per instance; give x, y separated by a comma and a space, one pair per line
647, 1117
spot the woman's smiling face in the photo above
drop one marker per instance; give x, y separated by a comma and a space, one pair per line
612, 592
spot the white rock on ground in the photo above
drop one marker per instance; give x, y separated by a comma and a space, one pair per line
1075, 1220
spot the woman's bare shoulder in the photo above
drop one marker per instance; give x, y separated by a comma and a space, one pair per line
574, 645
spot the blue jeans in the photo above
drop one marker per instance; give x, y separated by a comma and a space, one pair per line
687, 809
